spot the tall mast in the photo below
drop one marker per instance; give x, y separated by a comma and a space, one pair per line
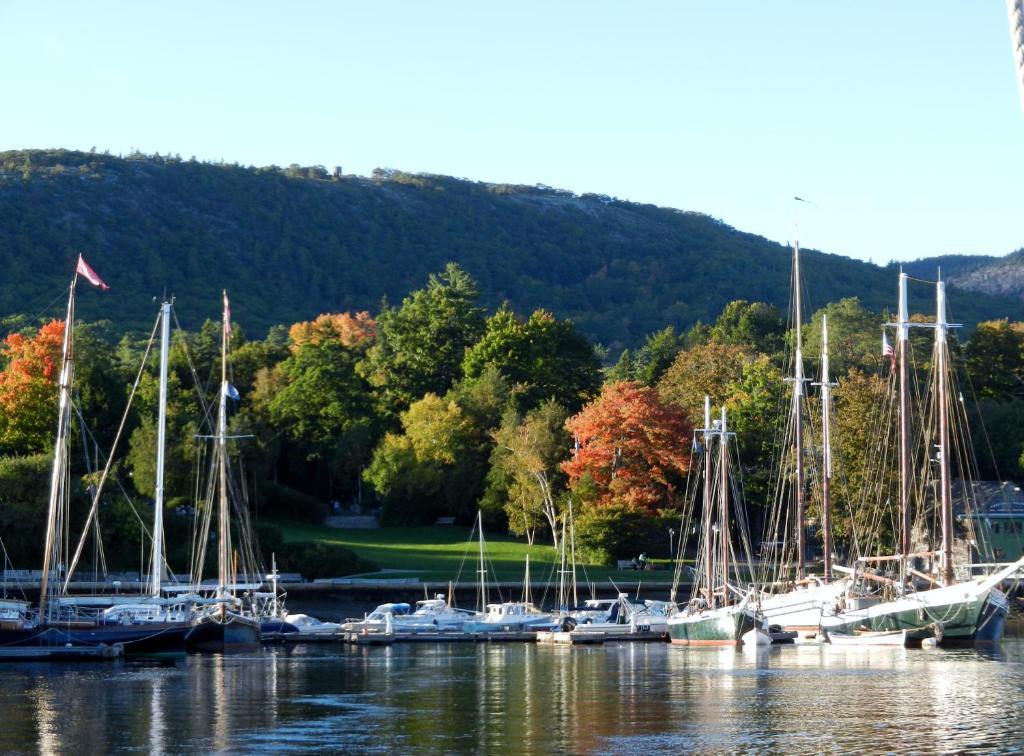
482, 572
826, 430
224, 532
527, 597
158, 568
709, 552
51, 552
902, 345
798, 425
942, 368
562, 592
572, 554
723, 506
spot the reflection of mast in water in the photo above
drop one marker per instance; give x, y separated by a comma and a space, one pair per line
157, 725
220, 708
46, 721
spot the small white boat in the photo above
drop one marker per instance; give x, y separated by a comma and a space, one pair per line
378, 620
307, 625
621, 616
434, 614
511, 616
869, 638
756, 637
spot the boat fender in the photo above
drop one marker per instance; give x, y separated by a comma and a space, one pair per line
568, 623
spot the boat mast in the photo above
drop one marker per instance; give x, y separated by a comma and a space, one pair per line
482, 572
158, 568
51, 552
572, 555
798, 425
903, 343
723, 507
941, 366
709, 553
527, 594
826, 431
563, 594
224, 532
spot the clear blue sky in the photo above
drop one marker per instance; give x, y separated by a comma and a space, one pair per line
900, 120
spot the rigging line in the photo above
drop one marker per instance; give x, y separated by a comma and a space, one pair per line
110, 459
206, 407
742, 517
7, 561
40, 315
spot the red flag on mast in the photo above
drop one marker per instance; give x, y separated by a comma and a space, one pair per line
89, 274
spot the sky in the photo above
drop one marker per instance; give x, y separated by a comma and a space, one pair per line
901, 122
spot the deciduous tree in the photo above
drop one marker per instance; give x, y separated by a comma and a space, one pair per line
634, 447
28, 389
545, 358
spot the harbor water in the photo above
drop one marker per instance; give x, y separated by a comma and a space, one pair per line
522, 698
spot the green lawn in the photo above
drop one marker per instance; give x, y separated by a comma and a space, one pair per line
440, 554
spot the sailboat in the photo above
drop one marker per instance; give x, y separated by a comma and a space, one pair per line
954, 611
152, 608
63, 619
227, 622
505, 616
795, 603
719, 613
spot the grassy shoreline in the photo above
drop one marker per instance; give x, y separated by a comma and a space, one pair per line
451, 553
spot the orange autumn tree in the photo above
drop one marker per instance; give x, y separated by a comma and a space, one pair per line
350, 330
28, 389
634, 450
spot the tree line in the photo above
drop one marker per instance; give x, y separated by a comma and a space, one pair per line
292, 242
437, 407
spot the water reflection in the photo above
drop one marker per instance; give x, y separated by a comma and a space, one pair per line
493, 697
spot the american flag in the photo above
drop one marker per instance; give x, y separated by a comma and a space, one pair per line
888, 351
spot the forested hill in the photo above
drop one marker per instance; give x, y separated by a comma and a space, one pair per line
1001, 276
291, 243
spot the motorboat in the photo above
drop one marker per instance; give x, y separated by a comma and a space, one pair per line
511, 616
378, 620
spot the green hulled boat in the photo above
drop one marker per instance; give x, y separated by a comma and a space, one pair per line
718, 614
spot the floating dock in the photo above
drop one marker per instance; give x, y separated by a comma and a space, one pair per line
572, 637
62, 653
575, 637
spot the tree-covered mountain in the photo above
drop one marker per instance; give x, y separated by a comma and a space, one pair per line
1000, 276
294, 242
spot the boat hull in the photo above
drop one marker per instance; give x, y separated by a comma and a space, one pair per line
956, 615
716, 627
514, 626
801, 609
232, 634
148, 638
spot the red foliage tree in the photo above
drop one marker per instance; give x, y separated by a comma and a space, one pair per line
28, 391
633, 448
350, 330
